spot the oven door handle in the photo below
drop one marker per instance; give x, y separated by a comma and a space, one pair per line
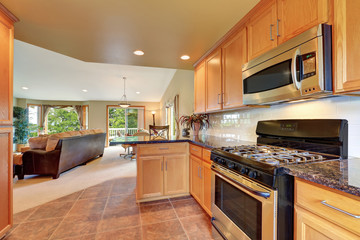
253, 191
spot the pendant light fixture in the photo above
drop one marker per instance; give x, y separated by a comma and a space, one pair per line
123, 101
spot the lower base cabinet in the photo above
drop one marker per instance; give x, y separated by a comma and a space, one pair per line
312, 227
316, 220
200, 177
162, 171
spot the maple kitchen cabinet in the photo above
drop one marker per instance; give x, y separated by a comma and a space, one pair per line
262, 34
213, 94
200, 177
199, 88
234, 55
346, 46
7, 21
282, 20
162, 171
295, 17
315, 220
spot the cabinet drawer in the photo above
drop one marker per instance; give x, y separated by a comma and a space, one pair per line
206, 155
196, 150
312, 197
162, 148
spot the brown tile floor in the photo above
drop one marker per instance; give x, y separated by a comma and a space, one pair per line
108, 211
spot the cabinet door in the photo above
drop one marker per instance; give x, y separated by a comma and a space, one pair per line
195, 181
206, 180
346, 45
6, 69
262, 31
309, 226
5, 180
175, 174
150, 176
213, 82
234, 55
199, 89
297, 16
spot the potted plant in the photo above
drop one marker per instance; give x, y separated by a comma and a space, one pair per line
195, 121
21, 125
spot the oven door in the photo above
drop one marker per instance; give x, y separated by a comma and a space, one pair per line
242, 208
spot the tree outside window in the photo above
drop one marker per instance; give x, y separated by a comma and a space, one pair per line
62, 120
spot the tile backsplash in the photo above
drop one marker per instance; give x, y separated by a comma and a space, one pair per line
241, 124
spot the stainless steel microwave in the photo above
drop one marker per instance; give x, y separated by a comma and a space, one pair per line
300, 68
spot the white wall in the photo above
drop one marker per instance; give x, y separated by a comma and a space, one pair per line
182, 84
241, 124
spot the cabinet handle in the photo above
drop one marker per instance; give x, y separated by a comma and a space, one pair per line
277, 27
271, 38
163, 148
194, 149
162, 166
340, 210
166, 166
223, 98
200, 172
219, 98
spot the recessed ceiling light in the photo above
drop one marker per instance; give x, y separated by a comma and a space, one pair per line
84, 90
139, 52
185, 57
137, 92
25, 88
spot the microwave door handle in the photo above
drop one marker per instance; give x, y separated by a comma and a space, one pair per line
296, 83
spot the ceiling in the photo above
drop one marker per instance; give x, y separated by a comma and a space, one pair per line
53, 76
108, 31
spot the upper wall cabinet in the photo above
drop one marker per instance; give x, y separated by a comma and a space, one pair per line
295, 17
234, 55
199, 88
346, 45
281, 20
213, 82
262, 31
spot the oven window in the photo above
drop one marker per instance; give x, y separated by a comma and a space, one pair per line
242, 209
272, 77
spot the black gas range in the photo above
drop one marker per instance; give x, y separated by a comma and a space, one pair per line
249, 180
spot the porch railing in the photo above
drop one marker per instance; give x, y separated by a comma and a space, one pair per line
115, 132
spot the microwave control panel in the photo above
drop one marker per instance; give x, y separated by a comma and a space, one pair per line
309, 65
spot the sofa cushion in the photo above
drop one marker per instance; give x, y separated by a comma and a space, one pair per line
75, 133
38, 142
54, 139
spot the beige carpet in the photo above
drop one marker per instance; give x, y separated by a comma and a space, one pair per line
37, 190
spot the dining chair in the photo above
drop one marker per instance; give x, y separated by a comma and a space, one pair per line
159, 132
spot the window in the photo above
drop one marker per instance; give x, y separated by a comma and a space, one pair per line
170, 119
61, 120
125, 121
34, 119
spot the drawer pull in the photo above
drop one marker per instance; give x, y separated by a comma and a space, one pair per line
163, 148
194, 149
338, 209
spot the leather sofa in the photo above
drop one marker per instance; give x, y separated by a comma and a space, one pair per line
68, 153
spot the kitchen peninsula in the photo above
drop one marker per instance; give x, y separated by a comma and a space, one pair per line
179, 166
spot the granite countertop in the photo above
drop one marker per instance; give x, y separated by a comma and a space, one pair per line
343, 175
207, 141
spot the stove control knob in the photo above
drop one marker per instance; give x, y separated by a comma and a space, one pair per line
221, 161
216, 159
244, 170
231, 165
253, 174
